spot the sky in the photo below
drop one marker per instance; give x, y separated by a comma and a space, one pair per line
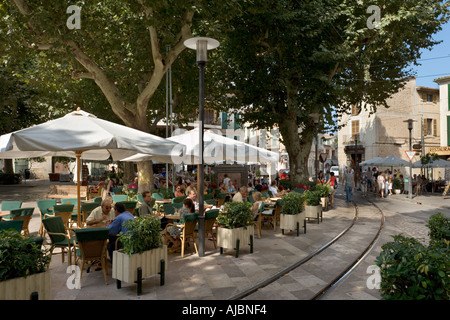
435, 63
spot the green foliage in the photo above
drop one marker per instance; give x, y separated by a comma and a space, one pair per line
397, 184
236, 215
429, 157
143, 233
293, 203
411, 271
20, 256
312, 198
439, 226
322, 189
287, 184
166, 192
285, 59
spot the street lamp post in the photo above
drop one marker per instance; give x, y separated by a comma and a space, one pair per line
315, 117
201, 45
410, 127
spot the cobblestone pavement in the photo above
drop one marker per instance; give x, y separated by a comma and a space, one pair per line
219, 277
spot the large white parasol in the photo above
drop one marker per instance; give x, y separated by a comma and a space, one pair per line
82, 135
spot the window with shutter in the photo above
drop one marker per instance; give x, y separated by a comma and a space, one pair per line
435, 127
448, 131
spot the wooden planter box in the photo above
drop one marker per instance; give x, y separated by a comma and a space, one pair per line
138, 266
293, 222
314, 212
22, 288
231, 238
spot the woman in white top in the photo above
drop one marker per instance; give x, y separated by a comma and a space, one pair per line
257, 204
381, 181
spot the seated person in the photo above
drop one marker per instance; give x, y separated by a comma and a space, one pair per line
274, 190
101, 215
193, 196
179, 191
172, 233
257, 204
222, 188
134, 184
146, 206
241, 195
116, 226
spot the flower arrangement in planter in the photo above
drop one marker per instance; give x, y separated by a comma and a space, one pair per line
143, 253
293, 214
23, 264
313, 207
235, 224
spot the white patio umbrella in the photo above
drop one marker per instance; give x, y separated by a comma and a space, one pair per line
439, 163
84, 136
391, 161
217, 149
370, 162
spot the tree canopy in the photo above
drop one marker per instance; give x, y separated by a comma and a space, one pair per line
284, 60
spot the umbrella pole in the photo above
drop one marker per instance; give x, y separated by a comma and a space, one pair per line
78, 155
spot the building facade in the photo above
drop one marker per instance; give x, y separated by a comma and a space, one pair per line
365, 135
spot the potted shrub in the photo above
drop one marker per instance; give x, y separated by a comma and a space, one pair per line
23, 268
235, 224
293, 214
313, 207
143, 253
397, 186
324, 191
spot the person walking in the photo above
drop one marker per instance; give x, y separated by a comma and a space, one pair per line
348, 183
364, 182
381, 181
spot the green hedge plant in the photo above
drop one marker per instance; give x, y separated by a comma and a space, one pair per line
292, 203
20, 256
312, 197
322, 189
439, 227
411, 270
143, 234
236, 215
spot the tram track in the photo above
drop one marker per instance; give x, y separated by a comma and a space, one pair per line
311, 257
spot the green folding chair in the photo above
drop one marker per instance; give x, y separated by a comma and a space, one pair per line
11, 225
73, 201
178, 199
98, 200
168, 208
190, 223
45, 207
210, 219
212, 202
92, 243
23, 214
65, 211
119, 198
10, 205
59, 237
140, 198
157, 196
